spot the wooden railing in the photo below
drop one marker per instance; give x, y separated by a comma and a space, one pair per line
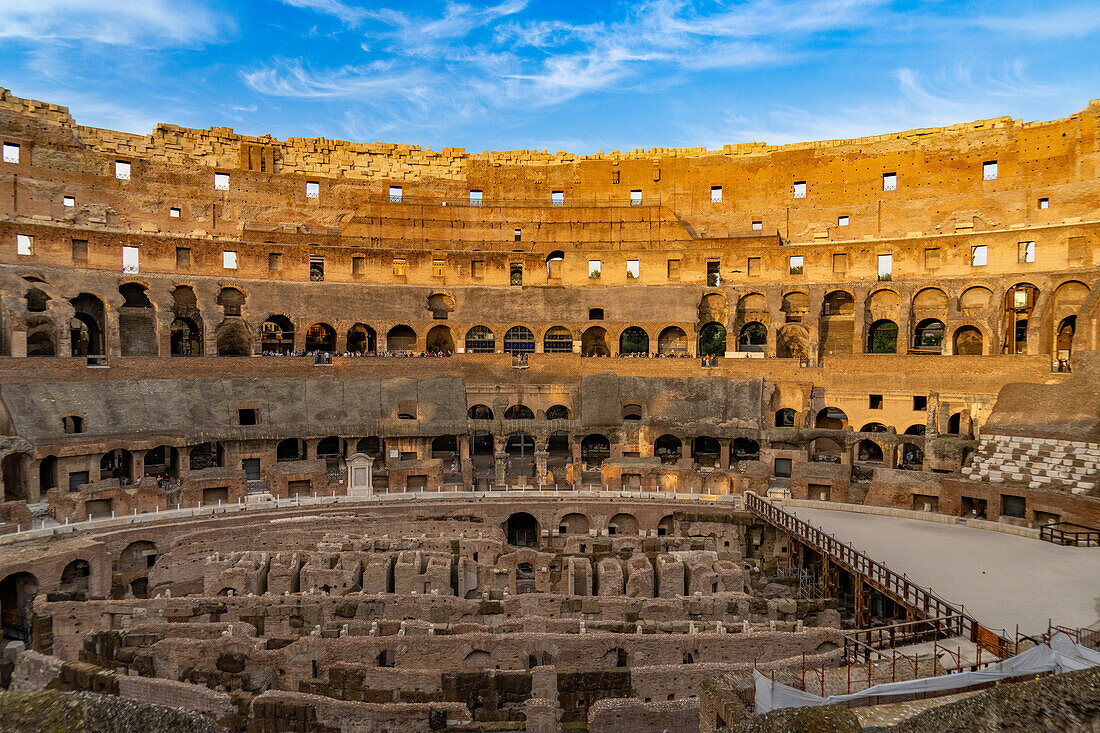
896, 587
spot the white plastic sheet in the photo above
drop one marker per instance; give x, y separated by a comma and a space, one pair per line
1061, 655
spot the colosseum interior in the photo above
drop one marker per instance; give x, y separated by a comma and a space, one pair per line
312, 435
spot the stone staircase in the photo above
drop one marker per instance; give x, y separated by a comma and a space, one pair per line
1037, 463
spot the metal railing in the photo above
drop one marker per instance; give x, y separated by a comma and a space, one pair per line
893, 585
1067, 533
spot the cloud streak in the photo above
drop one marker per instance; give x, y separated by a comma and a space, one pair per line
139, 23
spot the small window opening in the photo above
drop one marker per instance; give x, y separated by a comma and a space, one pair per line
317, 269
248, 416
313, 190
515, 273
73, 424
476, 198
757, 226
229, 260
358, 265
396, 194
594, 268
800, 189
889, 181
920, 402
221, 181
635, 198
632, 269
978, 256
130, 259
796, 264
183, 258
122, 170
274, 261
439, 268
24, 244
1027, 251
989, 170
885, 267
174, 212
518, 234
714, 279
674, 269
716, 194
595, 314
1044, 203
68, 201
842, 221
557, 198
874, 402
11, 153
399, 267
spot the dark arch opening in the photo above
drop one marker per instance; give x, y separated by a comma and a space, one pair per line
519, 412
321, 337
277, 335
785, 418
595, 449
480, 340
712, 340
706, 450
882, 337
869, 451
634, 340
668, 448
929, 335
17, 591
205, 455
291, 449
753, 338
479, 412
557, 412
401, 339
362, 339
522, 530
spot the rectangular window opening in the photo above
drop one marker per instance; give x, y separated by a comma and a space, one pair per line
885, 267
796, 264
716, 194
221, 181
889, 181
714, 277
800, 189
1027, 251
842, 221
920, 402
317, 269
515, 273
978, 256
635, 198
130, 260
358, 265
989, 170
399, 267
174, 212
632, 269
248, 416
874, 402
313, 190
783, 467
396, 194
24, 244
477, 268
439, 268
68, 201
840, 263
674, 269
229, 260
122, 170
931, 258
11, 153
753, 267
183, 258
1044, 203
476, 198
518, 234
594, 268
757, 226
274, 261
557, 198
80, 251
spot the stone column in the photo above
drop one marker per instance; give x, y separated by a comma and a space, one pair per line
541, 456
724, 455
500, 465
464, 461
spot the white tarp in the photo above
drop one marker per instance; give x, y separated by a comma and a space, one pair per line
1062, 655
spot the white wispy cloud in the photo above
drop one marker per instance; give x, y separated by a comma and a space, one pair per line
141, 23
293, 78
348, 14
1047, 23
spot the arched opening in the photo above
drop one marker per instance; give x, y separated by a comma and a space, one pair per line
477, 659
882, 337
480, 340
869, 452
133, 567
968, 341
17, 592
873, 427
232, 302
1018, 304
329, 447
37, 301
519, 339
831, 418
838, 303
668, 448
74, 579
481, 443
522, 530
632, 411
47, 475
795, 306
441, 305
519, 412
14, 469
86, 327
910, 457
557, 412
785, 418
162, 461
554, 261
117, 463
234, 339
479, 412
929, 335
634, 340
916, 429
594, 342
137, 329
792, 342
560, 455
745, 449
400, 339
672, 341
41, 335
362, 339
616, 656
440, 340
184, 338
705, 451
558, 340
712, 340
954, 424
445, 447
205, 455
291, 449
370, 446
321, 337
622, 524
1064, 338
666, 526
521, 455
595, 449
276, 335
825, 450
573, 524
753, 338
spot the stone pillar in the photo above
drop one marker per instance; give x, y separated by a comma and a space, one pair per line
111, 333
724, 455
464, 461
500, 465
577, 466
541, 455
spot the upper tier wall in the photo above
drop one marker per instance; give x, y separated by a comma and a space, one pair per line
940, 181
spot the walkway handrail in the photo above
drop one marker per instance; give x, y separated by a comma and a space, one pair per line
898, 587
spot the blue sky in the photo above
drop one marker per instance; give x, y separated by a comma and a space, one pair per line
578, 76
